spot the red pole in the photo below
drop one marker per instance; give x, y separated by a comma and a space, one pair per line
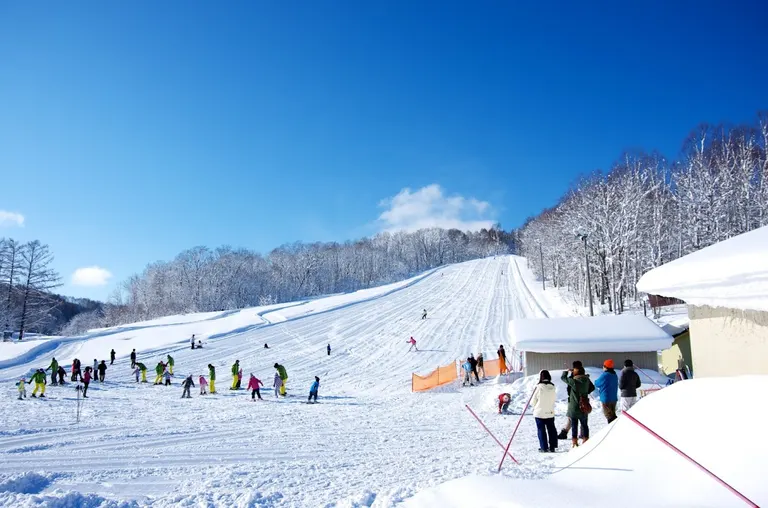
506, 450
649, 377
489, 432
679, 451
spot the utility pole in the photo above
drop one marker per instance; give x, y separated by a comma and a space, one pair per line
589, 279
541, 260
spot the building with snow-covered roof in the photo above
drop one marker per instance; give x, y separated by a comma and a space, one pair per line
556, 343
726, 288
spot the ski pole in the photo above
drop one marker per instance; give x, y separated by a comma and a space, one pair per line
516, 427
489, 432
690, 459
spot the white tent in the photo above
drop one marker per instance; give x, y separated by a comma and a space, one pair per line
556, 343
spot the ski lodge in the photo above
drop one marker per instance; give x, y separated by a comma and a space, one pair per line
554, 344
725, 287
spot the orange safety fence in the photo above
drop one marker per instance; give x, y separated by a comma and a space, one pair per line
439, 376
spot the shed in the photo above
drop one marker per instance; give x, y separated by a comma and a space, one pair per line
556, 343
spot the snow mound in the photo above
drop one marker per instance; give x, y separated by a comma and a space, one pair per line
26, 483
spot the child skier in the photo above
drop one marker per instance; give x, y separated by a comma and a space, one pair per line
504, 399
203, 383
412, 342
239, 378
143, 369
187, 384
277, 384
253, 385
86, 381
467, 366
136, 372
167, 376
313, 389
22, 389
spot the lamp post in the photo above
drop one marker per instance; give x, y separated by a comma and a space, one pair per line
589, 279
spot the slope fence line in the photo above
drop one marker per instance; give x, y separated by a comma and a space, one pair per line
449, 373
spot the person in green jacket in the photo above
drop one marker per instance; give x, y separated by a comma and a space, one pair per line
212, 377
235, 377
39, 379
159, 370
580, 386
283, 375
170, 364
54, 368
143, 369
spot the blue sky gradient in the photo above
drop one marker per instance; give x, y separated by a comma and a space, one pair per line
131, 131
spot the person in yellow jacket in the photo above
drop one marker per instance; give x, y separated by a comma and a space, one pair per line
212, 377
235, 376
39, 378
159, 370
283, 375
170, 364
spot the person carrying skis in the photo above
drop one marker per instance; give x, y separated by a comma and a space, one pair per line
329, 350
102, 370
473, 363
61, 373
212, 377
543, 402
239, 378
133, 358
112, 356
235, 369
412, 342
187, 384
22, 388
502, 360
143, 369
54, 368
504, 399
283, 377
467, 366
277, 383
314, 389
159, 370
40, 379
424, 314
170, 364
480, 367
608, 384
203, 383
86, 381
253, 386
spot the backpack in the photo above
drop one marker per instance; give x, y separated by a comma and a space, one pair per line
584, 404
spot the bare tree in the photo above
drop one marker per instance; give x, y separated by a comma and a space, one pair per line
37, 280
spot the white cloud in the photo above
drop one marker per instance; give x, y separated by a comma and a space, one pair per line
428, 207
91, 276
11, 219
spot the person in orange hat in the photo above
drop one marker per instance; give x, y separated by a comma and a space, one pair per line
608, 384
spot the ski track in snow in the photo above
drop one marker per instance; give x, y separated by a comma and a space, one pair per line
369, 442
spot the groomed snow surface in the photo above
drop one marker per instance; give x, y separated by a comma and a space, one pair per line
369, 441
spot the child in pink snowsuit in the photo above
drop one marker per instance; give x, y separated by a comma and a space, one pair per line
412, 342
253, 386
203, 383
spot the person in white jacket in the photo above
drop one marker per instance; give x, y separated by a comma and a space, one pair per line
278, 382
543, 402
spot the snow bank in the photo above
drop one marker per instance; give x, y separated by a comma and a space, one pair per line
624, 463
607, 333
732, 274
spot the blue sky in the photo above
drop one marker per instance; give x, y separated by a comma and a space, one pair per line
130, 131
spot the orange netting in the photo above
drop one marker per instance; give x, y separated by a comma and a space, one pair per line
437, 377
492, 367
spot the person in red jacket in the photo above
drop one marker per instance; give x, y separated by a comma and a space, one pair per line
504, 399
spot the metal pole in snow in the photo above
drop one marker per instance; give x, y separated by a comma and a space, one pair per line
683, 454
489, 432
516, 427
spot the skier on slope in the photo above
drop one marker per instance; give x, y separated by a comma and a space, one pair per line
203, 383
54, 368
167, 376
424, 314
133, 358
235, 369
143, 369
253, 386
40, 379
329, 350
112, 356
212, 377
187, 384
283, 377
504, 399
159, 370
61, 373
412, 342
170, 364
86, 381
314, 389
102, 370
22, 388
277, 384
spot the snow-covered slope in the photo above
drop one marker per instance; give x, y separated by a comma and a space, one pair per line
369, 441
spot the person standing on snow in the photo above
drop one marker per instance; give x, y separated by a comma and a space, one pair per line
580, 385
203, 383
187, 384
76, 370
61, 373
40, 380
239, 378
504, 399
473, 363
136, 371
283, 377
277, 383
167, 376
170, 364
314, 389
159, 370
95, 370
480, 367
608, 384
253, 386
235, 369
86, 381
543, 402
564, 431
424, 314
628, 384
412, 342
502, 360
22, 388
112, 356
212, 377
102, 370
143, 369
193, 341
467, 366
133, 358
329, 350
54, 368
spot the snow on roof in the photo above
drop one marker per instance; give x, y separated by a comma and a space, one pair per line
731, 274
609, 333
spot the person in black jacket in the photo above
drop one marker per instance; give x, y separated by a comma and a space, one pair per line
576, 365
473, 363
187, 384
102, 370
133, 359
61, 372
628, 384
112, 355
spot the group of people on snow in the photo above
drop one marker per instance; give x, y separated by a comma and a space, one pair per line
472, 367
578, 387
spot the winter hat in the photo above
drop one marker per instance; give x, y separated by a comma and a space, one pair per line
608, 364
578, 365
317, 378
275, 365
628, 363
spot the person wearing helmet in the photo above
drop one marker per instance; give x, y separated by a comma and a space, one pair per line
235, 377
283, 377
504, 399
